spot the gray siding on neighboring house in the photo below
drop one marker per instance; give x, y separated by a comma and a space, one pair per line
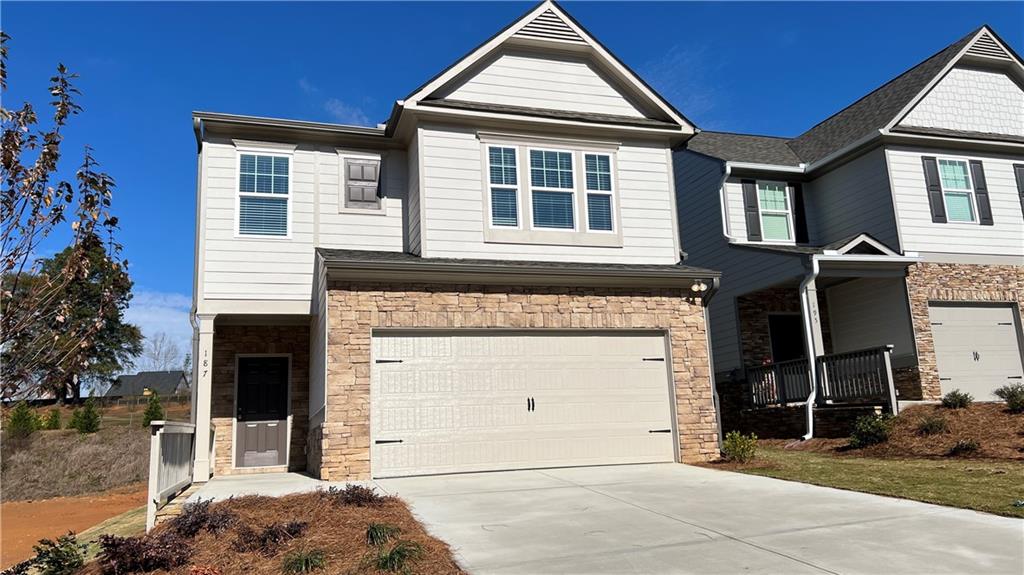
919, 233
870, 312
973, 100
852, 199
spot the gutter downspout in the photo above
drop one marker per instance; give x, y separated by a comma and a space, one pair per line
722, 204
715, 284
812, 356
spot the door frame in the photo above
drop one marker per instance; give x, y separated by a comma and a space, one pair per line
288, 419
664, 333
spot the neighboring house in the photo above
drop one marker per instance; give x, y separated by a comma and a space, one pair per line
897, 221
489, 280
145, 383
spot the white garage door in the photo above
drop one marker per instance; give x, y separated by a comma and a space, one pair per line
469, 401
976, 348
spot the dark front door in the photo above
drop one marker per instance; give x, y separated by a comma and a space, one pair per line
787, 336
261, 432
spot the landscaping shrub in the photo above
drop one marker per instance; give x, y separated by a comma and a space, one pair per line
738, 447
52, 420
22, 421
303, 561
398, 556
870, 430
932, 424
380, 533
197, 516
61, 557
964, 447
268, 541
957, 399
1013, 395
356, 495
86, 420
123, 555
154, 411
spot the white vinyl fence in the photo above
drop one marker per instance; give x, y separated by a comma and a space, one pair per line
170, 463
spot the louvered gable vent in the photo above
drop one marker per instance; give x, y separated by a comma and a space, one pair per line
986, 46
548, 26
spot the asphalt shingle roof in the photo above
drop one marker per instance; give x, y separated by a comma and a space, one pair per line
744, 148
162, 382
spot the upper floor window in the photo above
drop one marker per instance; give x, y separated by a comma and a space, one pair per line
504, 188
776, 211
362, 183
263, 182
552, 189
957, 191
599, 191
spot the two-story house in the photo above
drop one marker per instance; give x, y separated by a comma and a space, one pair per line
491, 279
895, 222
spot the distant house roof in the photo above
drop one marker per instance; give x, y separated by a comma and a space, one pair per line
162, 382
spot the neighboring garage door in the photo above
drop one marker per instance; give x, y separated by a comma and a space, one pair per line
977, 348
470, 401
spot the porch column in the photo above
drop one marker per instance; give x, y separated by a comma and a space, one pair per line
203, 384
815, 313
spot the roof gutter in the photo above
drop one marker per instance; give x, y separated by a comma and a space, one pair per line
263, 122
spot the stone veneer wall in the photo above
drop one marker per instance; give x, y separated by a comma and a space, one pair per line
228, 342
356, 309
935, 282
754, 309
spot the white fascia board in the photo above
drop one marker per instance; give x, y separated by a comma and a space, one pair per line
801, 169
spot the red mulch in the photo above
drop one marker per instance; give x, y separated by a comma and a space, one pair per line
999, 433
337, 530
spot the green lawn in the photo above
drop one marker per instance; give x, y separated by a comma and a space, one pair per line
990, 486
127, 524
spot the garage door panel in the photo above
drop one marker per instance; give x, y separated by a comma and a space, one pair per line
977, 347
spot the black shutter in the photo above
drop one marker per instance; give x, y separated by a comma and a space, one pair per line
931, 178
799, 216
750, 210
981, 193
1018, 172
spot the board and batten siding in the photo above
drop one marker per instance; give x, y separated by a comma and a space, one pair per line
974, 100
454, 214
870, 312
917, 231
698, 185
850, 200
547, 81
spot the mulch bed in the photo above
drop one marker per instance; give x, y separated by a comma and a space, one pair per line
999, 433
337, 530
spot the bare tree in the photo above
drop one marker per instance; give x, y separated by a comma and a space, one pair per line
160, 353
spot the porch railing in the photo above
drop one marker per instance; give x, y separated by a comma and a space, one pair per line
170, 463
862, 376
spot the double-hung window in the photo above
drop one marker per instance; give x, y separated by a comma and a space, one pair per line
776, 211
263, 195
504, 189
599, 192
957, 191
552, 189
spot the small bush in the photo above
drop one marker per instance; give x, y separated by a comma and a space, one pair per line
957, 399
355, 495
22, 422
396, 558
964, 447
123, 555
870, 430
738, 447
88, 419
268, 541
52, 420
61, 557
932, 424
197, 516
1013, 395
303, 561
380, 533
154, 411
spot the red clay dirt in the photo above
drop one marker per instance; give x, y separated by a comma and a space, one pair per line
24, 523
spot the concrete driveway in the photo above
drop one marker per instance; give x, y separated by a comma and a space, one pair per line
670, 518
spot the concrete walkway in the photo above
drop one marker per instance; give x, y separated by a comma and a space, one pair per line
672, 518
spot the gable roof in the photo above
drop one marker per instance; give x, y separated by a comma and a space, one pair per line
164, 383
877, 110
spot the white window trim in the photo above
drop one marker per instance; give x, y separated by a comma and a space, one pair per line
261, 149
610, 193
971, 196
788, 212
573, 190
518, 187
343, 155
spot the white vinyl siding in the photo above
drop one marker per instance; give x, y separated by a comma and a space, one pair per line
918, 232
454, 174
544, 81
774, 204
345, 228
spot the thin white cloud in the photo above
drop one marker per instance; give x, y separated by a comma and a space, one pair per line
307, 87
345, 113
681, 75
167, 312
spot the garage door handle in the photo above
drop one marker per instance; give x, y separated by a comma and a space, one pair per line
654, 359
659, 431
379, 441
1014, 377
389, 361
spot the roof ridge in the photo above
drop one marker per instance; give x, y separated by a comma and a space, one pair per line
728, 133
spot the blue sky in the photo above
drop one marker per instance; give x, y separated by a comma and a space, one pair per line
767, 68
